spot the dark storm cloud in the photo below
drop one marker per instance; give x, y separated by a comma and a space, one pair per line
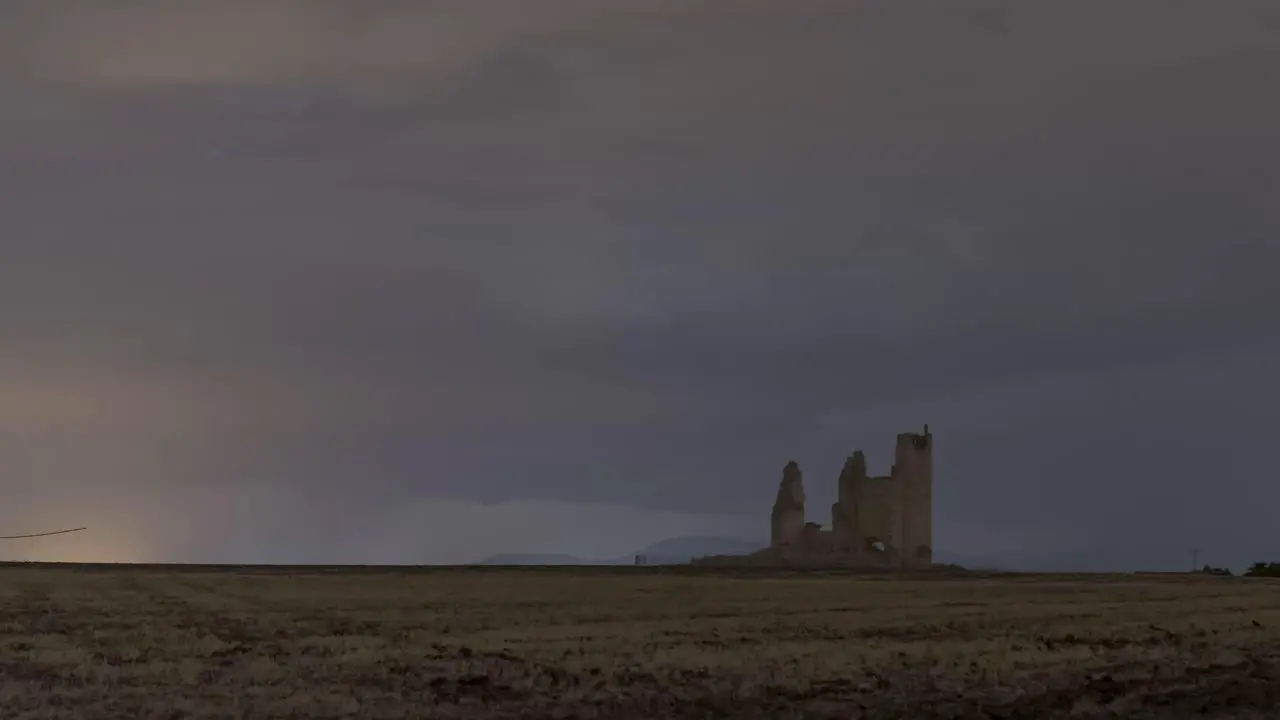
642, 255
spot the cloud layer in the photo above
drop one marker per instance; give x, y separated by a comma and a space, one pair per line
640, 256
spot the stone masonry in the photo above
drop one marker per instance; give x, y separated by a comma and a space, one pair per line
884, 521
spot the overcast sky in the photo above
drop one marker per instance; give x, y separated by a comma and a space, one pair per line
423, 282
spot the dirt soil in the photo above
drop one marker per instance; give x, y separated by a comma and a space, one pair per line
631, 643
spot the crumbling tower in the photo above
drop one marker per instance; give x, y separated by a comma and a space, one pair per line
844, 513
788, 509
913, 473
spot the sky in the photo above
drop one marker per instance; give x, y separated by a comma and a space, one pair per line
422, 282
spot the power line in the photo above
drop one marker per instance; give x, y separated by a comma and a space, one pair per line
43, 534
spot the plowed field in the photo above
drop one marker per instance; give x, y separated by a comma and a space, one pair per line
630, 642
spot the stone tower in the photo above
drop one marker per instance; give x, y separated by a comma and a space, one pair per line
844, 513
913, 473
788, 509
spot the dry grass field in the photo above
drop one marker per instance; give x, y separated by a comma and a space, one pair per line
630, 642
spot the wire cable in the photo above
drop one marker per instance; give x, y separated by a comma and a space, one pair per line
43, 534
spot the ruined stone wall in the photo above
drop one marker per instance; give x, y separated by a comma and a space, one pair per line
817, 541
877, 506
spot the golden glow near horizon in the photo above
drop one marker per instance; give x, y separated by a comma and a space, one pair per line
83, 546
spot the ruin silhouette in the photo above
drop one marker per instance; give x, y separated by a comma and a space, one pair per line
884, 521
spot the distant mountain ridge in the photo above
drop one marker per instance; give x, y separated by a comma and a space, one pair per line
533, 559
672, 551
684, 549
679, 550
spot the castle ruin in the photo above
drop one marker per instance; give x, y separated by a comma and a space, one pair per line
884, 521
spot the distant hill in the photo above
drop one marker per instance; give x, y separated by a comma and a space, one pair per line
672, 551
534, 559
969, 562
1091, 560
680, 550
683, 549
1106, 559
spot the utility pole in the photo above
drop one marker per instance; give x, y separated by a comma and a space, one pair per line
1195, 555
